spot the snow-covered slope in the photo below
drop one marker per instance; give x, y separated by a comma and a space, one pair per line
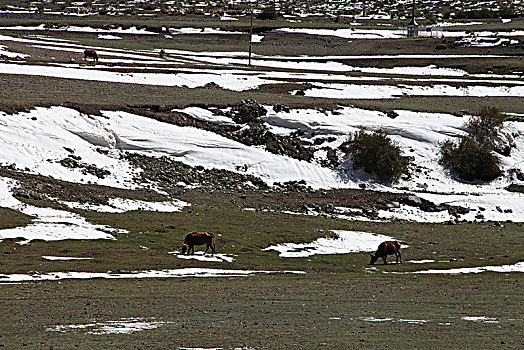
38, 140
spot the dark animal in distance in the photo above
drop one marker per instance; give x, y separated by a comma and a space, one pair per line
385, 249
162, 53
198, 238
90, 53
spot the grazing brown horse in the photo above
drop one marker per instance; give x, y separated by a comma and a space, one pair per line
90, 53
385, 249
198, 238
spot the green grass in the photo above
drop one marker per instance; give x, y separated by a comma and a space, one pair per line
270, 312
324, 308
10, 218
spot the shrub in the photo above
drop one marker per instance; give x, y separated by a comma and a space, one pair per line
515, 188
486, 125
376, 154
470, 160
268, 13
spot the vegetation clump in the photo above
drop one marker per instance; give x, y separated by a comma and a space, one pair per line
472, 157
485, 127
376, 154
469, 160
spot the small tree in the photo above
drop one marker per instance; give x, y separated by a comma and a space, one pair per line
376, 154
485, 126
470, 160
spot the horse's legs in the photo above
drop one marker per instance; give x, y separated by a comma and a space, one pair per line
212, 249
207, 247
384, 258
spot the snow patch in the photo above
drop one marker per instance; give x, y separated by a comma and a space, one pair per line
483, 319
518, 267
5, 52
62, 258
374, 319
199, 256
49, 224
188, 272
121, 205
345, 242
420, 261
109, 37
122, 326
79, 29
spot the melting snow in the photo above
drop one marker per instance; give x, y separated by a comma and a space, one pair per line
122, 326
108, 37
5, 52
420, 261
373, 319
346, 242
121, 205
35, 139
518, 267
208, 258
42, 27
188, 272
413, 321
63, 258
49, 224
481, 318
191, 30
387, 319
366, 91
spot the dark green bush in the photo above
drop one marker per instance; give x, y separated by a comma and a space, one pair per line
470, 160
515, 188
485, 126
376, 154
268, 13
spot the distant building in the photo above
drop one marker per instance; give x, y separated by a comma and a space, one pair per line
413, 29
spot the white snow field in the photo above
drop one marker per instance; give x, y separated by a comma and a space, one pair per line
35, 141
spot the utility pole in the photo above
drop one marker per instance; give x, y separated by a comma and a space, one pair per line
413, 12
251, 36
413, 21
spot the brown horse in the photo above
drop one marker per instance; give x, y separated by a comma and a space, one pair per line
90, 53
198, 238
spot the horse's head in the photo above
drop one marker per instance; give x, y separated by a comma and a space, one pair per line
373, 259
184, 248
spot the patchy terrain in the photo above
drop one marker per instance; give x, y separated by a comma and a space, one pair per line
105, 166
